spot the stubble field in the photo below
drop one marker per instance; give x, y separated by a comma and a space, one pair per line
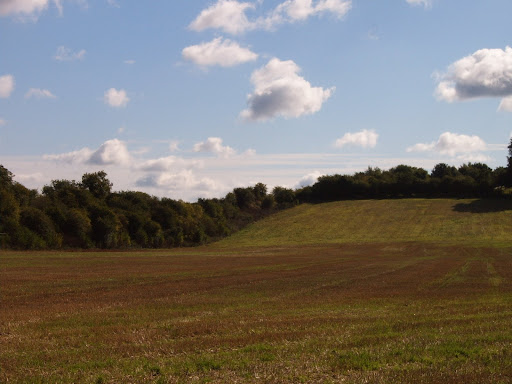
352, 311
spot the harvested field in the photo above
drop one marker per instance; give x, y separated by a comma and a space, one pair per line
352, 313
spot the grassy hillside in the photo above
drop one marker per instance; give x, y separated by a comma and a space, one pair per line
366, 221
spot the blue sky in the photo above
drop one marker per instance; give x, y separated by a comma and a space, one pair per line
191, 99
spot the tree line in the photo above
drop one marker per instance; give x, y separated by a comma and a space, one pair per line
88, 214
469, 180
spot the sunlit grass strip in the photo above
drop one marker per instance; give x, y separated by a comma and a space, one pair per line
446, 221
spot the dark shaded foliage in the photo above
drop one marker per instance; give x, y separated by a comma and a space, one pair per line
469, 180
89, 215
97, 183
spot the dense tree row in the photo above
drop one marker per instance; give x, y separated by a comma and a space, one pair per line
469, 180
88, 214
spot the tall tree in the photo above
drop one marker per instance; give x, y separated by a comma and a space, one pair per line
97, 183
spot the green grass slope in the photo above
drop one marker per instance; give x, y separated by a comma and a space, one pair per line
462, 221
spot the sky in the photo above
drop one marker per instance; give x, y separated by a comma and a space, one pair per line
188, 99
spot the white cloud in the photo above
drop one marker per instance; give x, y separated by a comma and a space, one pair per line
8, 7
168, 163
27, 9
80, 156
227, 15
6, 86
485, 73
111, 152
452, 144
298, 10
39, 94
280, 91
214, 145
225, 53
230, 15
66, 54
129, 62
116, 98
184, 180
338, 7
309, 179
425, 3
364, 139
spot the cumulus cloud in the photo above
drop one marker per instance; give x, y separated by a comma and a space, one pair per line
485, 73
309, 179
116, 98
39, 94
363, 139
30, 9
225, 53
8, 7
227, 15
452, 144
214, 145
230, 15
66, 54
280, 91
6, 86
111, 152
425, 3
297, 10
